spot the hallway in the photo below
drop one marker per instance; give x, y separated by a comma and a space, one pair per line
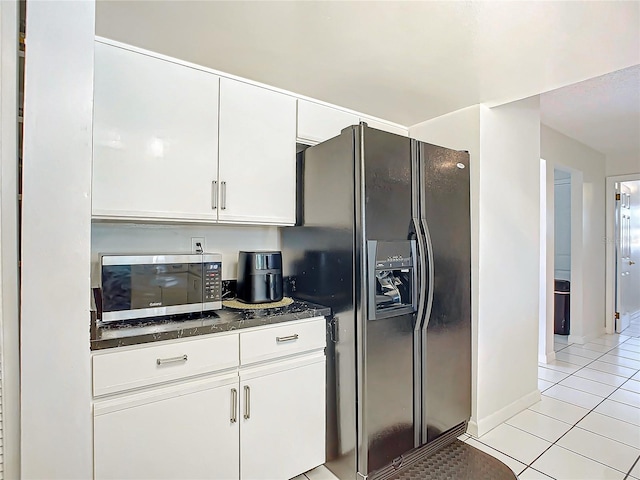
587, 426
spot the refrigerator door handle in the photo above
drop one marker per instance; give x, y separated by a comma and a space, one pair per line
422, 253
429, 249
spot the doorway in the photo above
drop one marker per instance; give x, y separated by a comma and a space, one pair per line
561, 257
561, 229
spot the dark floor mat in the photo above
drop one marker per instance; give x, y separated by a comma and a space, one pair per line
457, 461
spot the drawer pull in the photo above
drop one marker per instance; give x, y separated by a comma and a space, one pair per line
247, 401
162, 361
290, 338
234, 405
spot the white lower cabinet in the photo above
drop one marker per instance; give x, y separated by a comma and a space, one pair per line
171, 433
283, 422
244, 419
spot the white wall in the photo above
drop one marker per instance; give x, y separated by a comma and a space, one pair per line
562, 225
509, 256
56, 376
622, 165
505, 156
228, 240
587, 230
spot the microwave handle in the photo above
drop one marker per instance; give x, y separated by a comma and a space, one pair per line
271, 284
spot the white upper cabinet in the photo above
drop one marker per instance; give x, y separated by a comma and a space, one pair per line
317, 123
387, 127
175, 142
155, 137
257, 155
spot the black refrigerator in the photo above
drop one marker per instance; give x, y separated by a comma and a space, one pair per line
383, 238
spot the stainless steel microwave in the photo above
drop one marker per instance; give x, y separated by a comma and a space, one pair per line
143, 286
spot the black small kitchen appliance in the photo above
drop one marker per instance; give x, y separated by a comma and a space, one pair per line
259, 277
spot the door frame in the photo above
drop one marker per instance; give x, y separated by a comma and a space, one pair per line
9, 276
546, 351
610, 241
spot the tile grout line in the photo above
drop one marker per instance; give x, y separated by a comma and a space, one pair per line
628, 475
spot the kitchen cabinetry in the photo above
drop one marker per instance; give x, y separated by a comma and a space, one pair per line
250, 405
385, 126
283, 420
317, 123
171, 433
177, 142
172, 142
155, 145
257, 154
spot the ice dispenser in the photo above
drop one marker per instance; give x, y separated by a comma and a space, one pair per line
392, 278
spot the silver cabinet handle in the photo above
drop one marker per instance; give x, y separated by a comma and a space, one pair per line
234, 405
162, 361
223, 185
247, 401
290, 338
214, 195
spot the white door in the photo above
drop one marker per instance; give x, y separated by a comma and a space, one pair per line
172, 433
624, 262
257, 155
155, 146
283, 423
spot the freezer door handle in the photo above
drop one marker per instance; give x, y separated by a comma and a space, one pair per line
422, 252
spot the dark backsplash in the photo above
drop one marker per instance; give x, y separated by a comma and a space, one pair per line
229, 287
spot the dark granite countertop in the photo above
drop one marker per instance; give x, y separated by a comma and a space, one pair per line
119, 334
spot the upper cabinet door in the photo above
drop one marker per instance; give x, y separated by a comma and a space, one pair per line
317, 123
155, 137
257, 155
386, 127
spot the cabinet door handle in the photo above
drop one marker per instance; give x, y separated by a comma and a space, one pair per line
290, 338
234, 405
224, 195
162, 361
214, 195
247, 402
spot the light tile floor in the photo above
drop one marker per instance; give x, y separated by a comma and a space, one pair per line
587, 426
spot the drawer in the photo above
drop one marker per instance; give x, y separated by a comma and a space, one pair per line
124, 370
284, 339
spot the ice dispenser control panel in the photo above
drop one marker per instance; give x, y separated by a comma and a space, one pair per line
392, 282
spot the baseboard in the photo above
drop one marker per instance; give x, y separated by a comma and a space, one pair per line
484, 425
472, 428
547, 357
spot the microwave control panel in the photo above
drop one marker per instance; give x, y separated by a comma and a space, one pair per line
212, 281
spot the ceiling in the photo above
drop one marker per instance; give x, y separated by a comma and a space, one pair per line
406, 61
603, 112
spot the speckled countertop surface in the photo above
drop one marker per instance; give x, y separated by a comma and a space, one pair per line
119, 334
